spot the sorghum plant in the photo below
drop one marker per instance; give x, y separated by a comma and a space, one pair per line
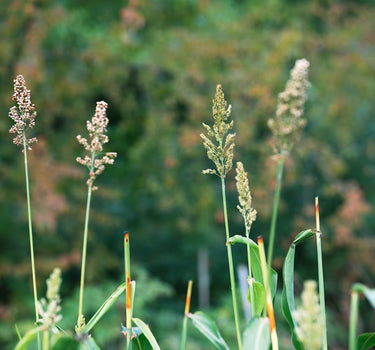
23, 114
219, 144
286, 127
95, 161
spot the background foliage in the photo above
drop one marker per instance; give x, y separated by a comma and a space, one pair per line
157, 64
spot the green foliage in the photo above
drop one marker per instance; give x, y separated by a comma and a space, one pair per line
159, 87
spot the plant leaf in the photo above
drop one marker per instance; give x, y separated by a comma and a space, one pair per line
256, 335
366, 341
288, 305
104, 308
147, 333
208, 328
26, 339
259, 298
88, 344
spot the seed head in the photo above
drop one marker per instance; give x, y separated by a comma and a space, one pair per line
49, 309
244, 197
97, 129
23, 114
308, 318
218, 142
288, 121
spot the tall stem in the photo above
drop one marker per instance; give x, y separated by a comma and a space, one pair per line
84, 249
128, 322
33, 273
320, 275
30, 231
250, 278
230, 262
279, 176
187, 308
353, 319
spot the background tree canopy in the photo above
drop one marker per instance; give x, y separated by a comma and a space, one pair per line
157, 64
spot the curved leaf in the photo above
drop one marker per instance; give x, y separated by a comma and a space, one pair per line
256, 335
288, 305
26, 339
104, 308
366, 341
147, 333
209, 329
88, 344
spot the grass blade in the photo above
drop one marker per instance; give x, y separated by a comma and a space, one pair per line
208, 328
26, 339
147, 333
104, 308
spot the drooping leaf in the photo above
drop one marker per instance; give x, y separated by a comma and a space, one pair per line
366, 341
257, 335
104, 308
147, 333
288, 305
209, 329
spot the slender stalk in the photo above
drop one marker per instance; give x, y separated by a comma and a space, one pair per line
276, 197
187, 308
33, 273
231, 269
320, 275
270, 311
84, 250
354, 299
128, 322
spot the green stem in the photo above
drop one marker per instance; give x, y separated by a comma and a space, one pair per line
321, 289
230, 262
84, 250
128, 323
354, 299
31, 235
250, 278
184, 325
275, 207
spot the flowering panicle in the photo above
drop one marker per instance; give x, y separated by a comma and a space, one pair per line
97, 128
218, 142
244, 197
288, 120
308, 318
23, 114
49, 309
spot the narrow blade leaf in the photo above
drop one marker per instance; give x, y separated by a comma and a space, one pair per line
209, 329
259, 298
147, 333
104, 308
26, 339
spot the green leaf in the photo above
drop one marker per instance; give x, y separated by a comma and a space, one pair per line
88, 344
368, 293
26, 339
257, 335
147, 332
288, 305
241, 239
104, 308
366, 341
209, 329
259, 298
303, 235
